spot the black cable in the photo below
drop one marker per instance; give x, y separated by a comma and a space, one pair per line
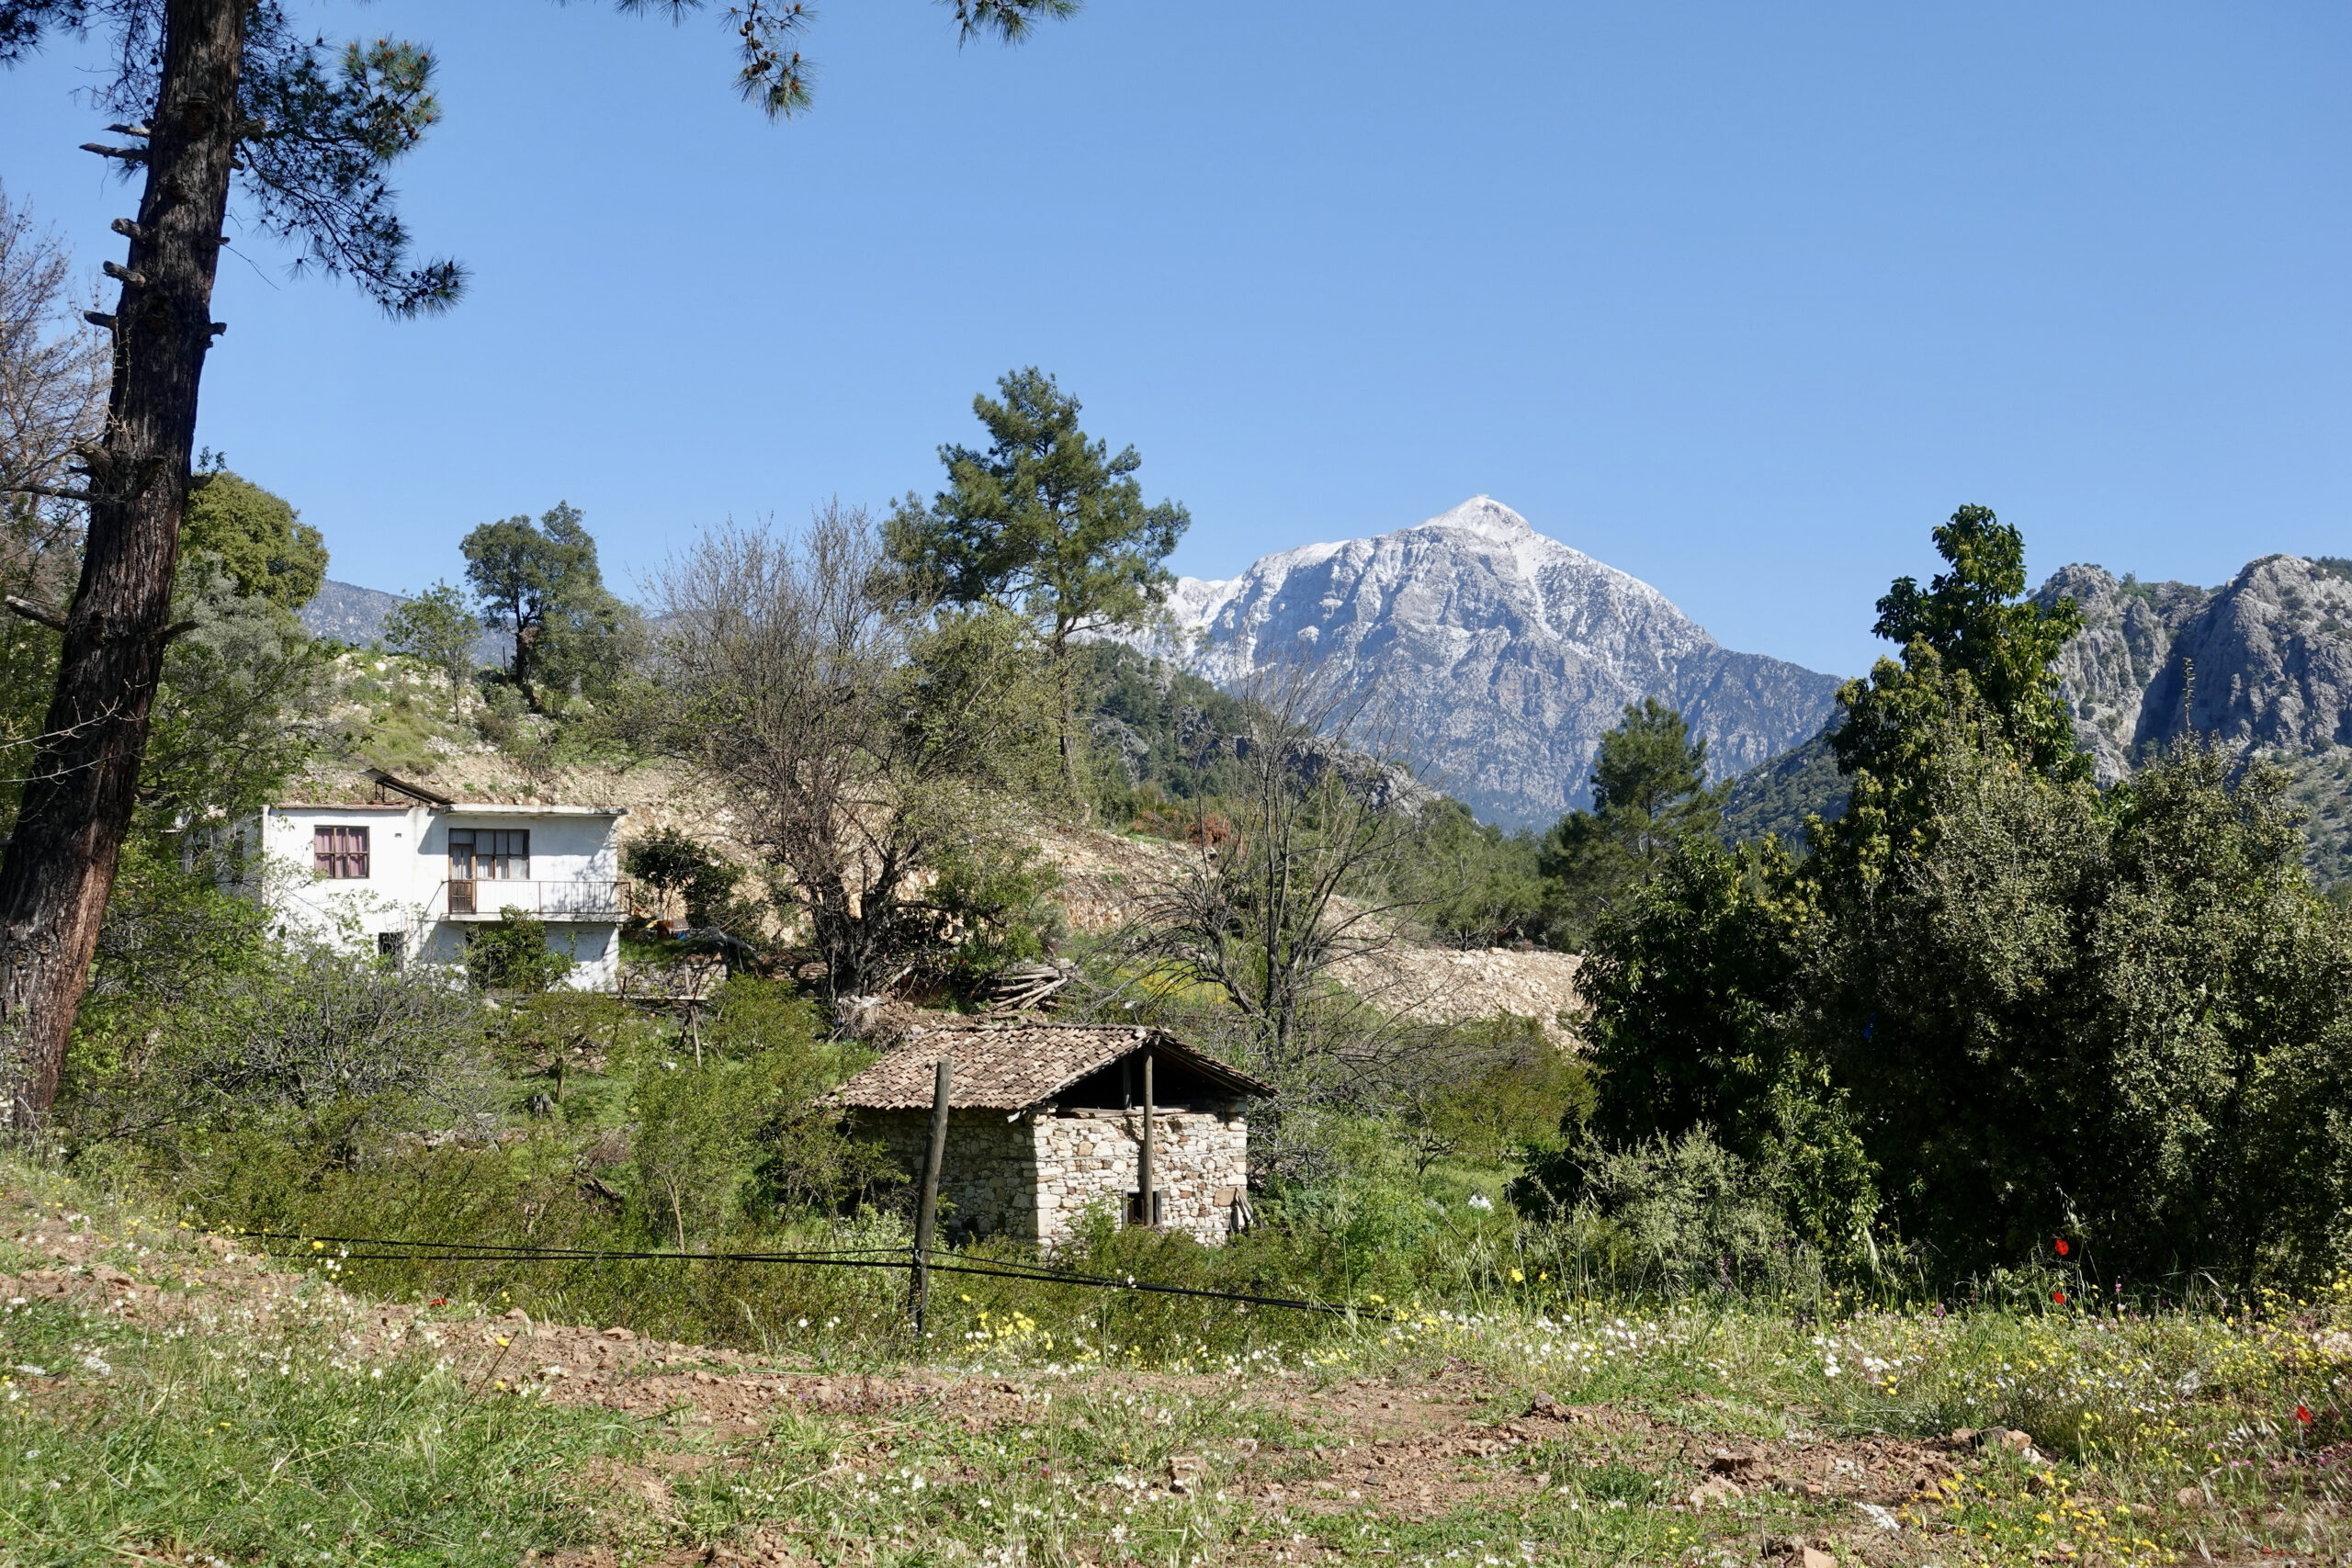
490, 1248
852, 1258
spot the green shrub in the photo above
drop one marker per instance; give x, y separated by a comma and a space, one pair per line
513, 954
671, 861
310, 1041
1684, 1214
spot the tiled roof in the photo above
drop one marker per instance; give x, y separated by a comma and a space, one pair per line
1011, 1065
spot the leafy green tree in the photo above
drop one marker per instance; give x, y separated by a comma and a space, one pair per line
541, 584
1976, 622
260, 537
1044, 522
1649, 794
1472, 883
240, 708
2117, 1017
670, 862
437, 627
1698, 986
1996, 1004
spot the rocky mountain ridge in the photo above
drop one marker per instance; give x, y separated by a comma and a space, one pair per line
350, 614
2263, 663
1506, 655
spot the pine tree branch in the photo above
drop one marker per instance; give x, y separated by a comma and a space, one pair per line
81, 495
54, 619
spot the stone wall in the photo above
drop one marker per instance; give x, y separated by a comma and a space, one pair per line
1200, 1162
987, 1181
1034, 1177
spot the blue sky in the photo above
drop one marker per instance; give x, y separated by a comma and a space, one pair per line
1741, 298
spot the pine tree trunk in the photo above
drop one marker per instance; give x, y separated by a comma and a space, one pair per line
76, 807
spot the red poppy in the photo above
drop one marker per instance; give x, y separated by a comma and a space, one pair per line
2303, 1414
2058, 1296
2063, 1247
440, 1301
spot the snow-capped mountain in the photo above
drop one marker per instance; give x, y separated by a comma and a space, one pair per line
1506, 655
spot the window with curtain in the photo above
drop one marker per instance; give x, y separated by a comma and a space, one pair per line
339, 852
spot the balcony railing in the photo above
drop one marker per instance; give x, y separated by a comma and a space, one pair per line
549, 900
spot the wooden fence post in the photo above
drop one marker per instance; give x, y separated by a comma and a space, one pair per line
927, 1209
1149, 1196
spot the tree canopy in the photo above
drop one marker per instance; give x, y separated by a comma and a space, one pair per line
1045, 521
1972, 622
437, 627
540, 583
1046, 524
1649, 793
1996, 1004
258, 535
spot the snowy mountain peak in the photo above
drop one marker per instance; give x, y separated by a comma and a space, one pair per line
1482, 515
1508, 653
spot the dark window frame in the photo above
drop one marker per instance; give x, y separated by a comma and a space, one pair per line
491, 854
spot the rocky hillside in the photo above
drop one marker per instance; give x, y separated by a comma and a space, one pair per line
350, 614
1505, 654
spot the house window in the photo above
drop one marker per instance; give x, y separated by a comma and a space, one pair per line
490, 855
340, 853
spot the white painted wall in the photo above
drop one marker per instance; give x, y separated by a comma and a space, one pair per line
574, 869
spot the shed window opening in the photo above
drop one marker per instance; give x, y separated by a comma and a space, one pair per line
339, 852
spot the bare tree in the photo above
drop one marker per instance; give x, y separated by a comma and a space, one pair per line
53, 370
1302, 881
52, 393
865, 748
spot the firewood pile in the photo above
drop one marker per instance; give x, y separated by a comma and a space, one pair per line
1024, 988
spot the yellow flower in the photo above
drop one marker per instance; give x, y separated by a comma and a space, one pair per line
1516, 1276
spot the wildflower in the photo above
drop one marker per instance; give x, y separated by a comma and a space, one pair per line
2063, 1247
1516, 1276
2303, 1414
2058, 1296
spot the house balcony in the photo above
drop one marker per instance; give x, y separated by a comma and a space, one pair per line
565, 900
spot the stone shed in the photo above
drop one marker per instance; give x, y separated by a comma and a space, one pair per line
1047, 1120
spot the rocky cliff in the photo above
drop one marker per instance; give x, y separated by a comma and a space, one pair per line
1504, 654
2264, 662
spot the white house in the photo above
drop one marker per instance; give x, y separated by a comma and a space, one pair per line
411, 871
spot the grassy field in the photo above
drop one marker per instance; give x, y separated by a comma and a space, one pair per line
171, 1397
